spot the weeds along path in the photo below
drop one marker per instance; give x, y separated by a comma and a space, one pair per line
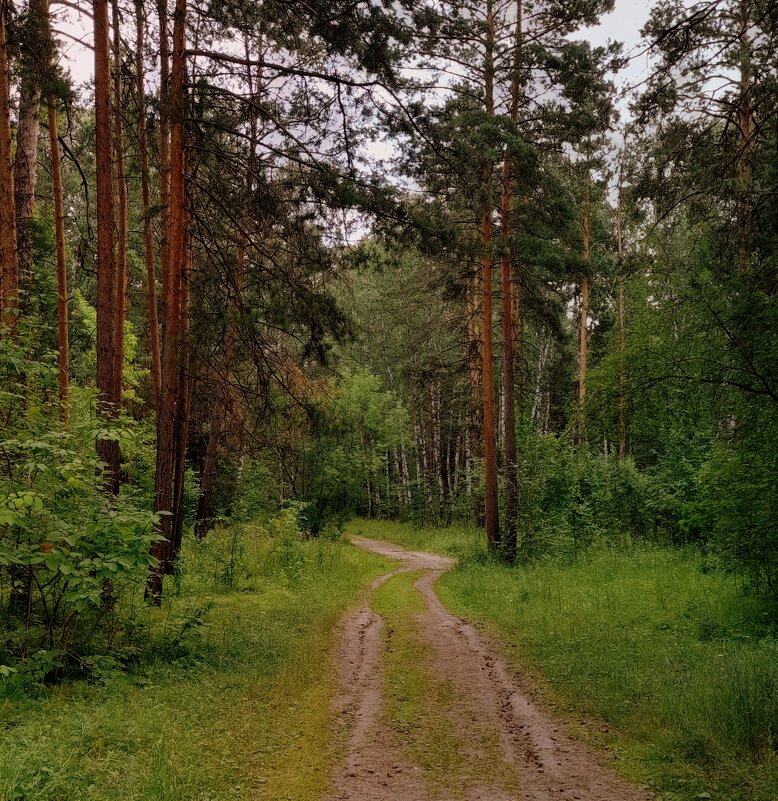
429, 712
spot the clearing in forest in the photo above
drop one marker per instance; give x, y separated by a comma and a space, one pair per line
430, 713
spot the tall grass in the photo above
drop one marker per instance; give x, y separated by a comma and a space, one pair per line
656, 644
235, 705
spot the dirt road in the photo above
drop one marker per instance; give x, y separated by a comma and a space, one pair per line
531, 757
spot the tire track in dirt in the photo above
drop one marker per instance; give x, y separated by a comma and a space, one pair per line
548, 763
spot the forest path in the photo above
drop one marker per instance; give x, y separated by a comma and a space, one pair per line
430, 712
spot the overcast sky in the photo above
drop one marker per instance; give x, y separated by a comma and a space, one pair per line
622, 25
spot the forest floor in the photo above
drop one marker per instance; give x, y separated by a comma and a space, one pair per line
432, 711
283, 668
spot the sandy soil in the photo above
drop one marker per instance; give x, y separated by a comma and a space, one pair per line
548, 763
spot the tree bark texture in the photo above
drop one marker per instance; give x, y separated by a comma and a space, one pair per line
166, 446
107, 450
487, 374
508, 310
148, 229
62, 275
9, 257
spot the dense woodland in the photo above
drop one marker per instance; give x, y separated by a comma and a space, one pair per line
422, 261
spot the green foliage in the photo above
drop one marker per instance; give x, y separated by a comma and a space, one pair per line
228, 699
257, 492
67, 551
572, 499
738, 503
355, 426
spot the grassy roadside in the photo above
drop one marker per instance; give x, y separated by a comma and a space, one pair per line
653, 648
236, 709
454, 752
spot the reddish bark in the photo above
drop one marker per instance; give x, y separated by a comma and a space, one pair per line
507, 319
9, 258
148, 232
62, 276
487, 374
107, 450
164, 142
166, 446
475, 423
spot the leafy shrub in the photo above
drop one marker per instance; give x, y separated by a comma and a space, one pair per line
67, 551
738, 505
571, 498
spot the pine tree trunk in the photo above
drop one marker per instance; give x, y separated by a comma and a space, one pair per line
508, 309
148, 232
474, 358
122, 294
9, 257
183, 408
166, 450
107, 450
164, 146
583, 336
62, 275
487, 373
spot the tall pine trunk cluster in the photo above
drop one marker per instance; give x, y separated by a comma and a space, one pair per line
172, 414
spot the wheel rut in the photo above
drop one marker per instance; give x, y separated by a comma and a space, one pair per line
489, 701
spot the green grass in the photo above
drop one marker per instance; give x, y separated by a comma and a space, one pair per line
653, 648
464, 543
436, 728
243, 710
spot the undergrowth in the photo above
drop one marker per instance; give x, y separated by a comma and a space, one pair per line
228, 696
